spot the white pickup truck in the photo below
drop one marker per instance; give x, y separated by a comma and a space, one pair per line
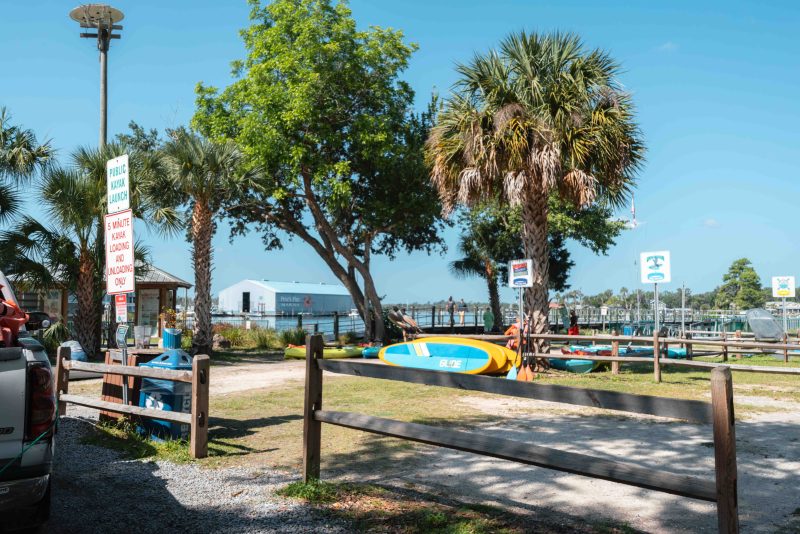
27, 417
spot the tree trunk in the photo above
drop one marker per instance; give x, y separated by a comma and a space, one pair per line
202, 231
534, 239
494, 299
87, 324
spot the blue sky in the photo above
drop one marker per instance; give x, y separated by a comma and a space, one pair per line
715, 83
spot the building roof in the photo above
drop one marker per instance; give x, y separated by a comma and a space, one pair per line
302, 287
154, 275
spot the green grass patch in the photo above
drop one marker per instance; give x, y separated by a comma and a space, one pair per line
313, 491
124, 438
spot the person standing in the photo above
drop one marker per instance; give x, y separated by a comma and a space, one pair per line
450, 308
573, 324
488, 321
462, 312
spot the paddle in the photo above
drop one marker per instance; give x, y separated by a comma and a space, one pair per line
525, 372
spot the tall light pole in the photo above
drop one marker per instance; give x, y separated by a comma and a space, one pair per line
101, 20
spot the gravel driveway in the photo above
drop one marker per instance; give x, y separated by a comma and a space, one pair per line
95, 491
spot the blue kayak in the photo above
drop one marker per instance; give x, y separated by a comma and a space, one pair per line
371, 352
574, 366
605, 350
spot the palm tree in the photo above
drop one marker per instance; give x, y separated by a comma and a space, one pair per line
72, 251
21, 156
202, 175
542, 115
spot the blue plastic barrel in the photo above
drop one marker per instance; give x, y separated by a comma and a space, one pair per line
172, 338
627, 330
166, 395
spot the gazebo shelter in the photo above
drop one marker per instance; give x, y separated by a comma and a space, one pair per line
155, 290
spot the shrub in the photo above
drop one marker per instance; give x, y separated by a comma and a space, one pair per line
265, 338
217, 328
293, 336
236, 335
186, 339
348, 338
54, 335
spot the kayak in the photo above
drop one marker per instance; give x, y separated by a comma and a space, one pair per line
574, 366
298, 352
456, 355
605, 350
370, 352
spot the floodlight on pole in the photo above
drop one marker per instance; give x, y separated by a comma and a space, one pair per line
101, 21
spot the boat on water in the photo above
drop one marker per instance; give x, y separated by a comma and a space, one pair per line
457, 355
298, 352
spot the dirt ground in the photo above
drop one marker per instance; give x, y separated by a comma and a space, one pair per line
768, 446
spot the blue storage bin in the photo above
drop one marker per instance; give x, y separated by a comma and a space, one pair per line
166, 395
627, 330
172, 338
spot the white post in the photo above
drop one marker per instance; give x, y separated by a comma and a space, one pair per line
683, 312
785, 322
655, 314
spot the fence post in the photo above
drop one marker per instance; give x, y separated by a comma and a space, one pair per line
316, 328
299, 321
656, 357
725, 450
476, 319
615, 354
725, 347
433, 316
335, 325
312, 435
62, 377
689, 346
785, 350
198, 442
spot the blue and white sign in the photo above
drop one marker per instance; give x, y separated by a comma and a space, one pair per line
655, 267
520, 273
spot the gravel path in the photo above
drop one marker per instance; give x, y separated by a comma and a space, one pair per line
95, 491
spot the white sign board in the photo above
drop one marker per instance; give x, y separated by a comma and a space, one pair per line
117, 184
783, 287
119, 253
520, 273
655, 267
121, 307
603, 310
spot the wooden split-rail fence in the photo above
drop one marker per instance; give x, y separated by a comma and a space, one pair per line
722, 490
660, 345
198, 377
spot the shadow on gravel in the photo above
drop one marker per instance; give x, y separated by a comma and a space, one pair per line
95, 491
768, 468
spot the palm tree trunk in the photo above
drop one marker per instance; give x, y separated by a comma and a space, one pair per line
534, 239
86, 320
494, 299
202, 231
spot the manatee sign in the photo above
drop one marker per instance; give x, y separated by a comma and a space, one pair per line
655, 267
118, 184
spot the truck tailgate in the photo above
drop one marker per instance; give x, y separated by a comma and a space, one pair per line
13, 380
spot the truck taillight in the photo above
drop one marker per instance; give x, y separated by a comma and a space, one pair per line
41, 400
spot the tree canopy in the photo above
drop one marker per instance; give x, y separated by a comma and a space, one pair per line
320, 108
741, 287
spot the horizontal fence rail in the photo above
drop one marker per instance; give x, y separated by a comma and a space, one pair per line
198, 377
721, 490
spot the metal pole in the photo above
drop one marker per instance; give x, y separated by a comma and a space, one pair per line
683, 308
638, 308
102, 44
655, 314
785, 321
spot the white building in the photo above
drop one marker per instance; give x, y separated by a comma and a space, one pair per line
268, 297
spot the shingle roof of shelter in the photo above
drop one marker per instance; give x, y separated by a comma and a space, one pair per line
302, 287
154, 275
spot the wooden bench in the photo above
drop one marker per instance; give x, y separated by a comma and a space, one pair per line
722, 490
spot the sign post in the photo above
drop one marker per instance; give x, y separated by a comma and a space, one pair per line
783, 287
520, 275
655, 269
604, 314
120, 278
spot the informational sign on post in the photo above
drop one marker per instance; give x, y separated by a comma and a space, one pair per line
118, 184
119, 253
655, 267
520, 273
121, 307
783, 287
